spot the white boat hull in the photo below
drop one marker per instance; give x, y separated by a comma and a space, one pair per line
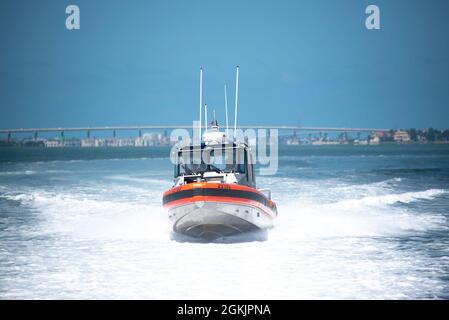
210, 219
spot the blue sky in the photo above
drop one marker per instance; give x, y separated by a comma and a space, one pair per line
307, 62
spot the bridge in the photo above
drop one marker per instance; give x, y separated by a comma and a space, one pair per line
9, 132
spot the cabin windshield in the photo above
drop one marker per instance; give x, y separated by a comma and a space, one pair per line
220, 159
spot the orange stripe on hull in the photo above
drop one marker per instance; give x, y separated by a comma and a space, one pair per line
181, 202
209, 185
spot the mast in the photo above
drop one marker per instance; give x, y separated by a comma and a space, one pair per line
205, 117
226, 111
236, 100
201, 100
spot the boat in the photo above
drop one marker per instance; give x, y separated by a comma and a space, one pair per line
214, 193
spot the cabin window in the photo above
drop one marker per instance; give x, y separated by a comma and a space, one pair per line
211, 159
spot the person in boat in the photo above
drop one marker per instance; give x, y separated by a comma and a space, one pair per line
215, 159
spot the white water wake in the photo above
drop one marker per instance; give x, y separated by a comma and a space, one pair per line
107, 247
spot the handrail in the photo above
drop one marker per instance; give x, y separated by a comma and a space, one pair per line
266, 190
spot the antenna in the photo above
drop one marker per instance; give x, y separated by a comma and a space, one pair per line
214, 114
201, 100
226, 111
205, 117
236, 99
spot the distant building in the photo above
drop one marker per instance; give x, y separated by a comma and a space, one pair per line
322, 142
126, 142
379, 134
71, 143
358, 142
147, 140
53, 143
375, 140
139, 142
421, 138
401, 136
293, 141
90, 142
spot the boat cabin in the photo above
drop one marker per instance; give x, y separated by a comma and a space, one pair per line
224, 163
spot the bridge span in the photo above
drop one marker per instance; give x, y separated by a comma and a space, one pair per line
172, 127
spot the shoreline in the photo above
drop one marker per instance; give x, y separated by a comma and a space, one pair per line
36, 145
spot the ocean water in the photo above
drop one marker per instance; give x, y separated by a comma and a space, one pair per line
354, 223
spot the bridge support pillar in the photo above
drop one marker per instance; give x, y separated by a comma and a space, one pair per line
35, 135
88, 134
113, 134
9, 136
140, 133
